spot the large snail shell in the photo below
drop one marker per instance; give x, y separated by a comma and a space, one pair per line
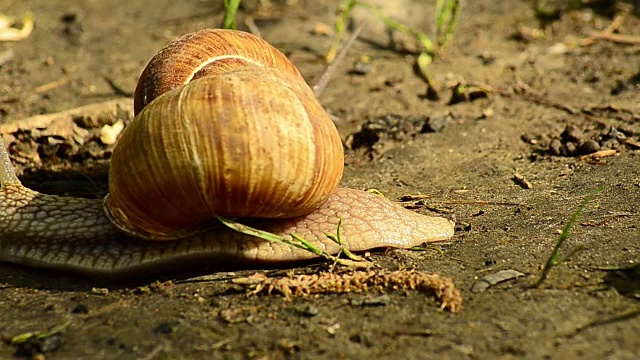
252, 142
204, 53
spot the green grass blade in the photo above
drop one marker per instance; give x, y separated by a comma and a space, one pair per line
446, 19
553, 259
265, 235
231, 9
342, 19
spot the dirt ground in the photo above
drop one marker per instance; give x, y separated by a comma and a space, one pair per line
542, 81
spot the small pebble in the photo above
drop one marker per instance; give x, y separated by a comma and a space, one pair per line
381, 300
323, 29
310, 311
621, 86
610, 144
80, 309
487, 113
555, 147
569, 149
362, 68
99, 291
589, 147
333, 328
436, 123
530, 139
626, 129
614, 133
486, 57
167, 327
571, 134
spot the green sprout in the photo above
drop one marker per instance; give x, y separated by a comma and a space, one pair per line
42, 334
446, 16
231, 9
341, 24
297, 241
553, 259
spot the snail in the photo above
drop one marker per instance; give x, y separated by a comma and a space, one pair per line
209, 107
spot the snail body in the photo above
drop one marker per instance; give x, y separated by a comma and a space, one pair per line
247, 141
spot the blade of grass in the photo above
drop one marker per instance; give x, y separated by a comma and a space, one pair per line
295, 241
231, 9
553, 259
342, 19
398, 26
422, 62
265, 235
322, 83
338, 240
42, 334
446, 18
426, 56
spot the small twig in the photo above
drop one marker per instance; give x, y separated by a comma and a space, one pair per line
535, 97
598, 154
111, 107
522, 181
619, 38
607, 220
607, 33
153, 353
51, 85
249, 21
632, 143
321, 84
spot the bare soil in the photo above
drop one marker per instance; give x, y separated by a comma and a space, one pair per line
542, 81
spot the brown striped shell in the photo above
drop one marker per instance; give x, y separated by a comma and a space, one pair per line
207, 52
249, 142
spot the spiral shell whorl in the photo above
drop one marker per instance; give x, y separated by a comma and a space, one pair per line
249, 142
206, 52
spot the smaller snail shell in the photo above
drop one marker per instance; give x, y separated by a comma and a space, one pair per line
206, 52
253, 142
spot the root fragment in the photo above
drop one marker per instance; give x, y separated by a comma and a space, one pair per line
357, 282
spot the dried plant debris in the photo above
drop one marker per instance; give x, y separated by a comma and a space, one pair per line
394, 128
521, 181
574, 142
14, 29
58, 139
357, 282
468, 91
